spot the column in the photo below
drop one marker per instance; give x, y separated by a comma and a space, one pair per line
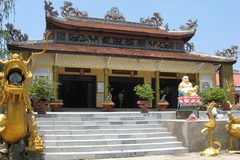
157, 87
106, 83
55, 78
197, 79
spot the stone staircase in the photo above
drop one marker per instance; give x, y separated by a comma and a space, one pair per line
96, 135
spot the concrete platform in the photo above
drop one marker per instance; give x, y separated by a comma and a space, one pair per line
74, 135
184, 156
96, 135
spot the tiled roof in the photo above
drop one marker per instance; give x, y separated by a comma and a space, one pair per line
117, 28
119, 52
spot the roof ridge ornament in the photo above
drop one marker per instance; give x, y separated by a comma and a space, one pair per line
156, 19
190, 46
114, 14
191, 25
230, 52
15, 35
49, 9
68, 10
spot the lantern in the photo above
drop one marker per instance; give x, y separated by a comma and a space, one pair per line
81, 71
132, 75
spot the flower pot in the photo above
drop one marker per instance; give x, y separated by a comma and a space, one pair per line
226, 107
107, 106
40, 106
189, 101
56, 106
144, 105
162, 106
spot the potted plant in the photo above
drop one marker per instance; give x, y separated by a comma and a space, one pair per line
41, 91
163, 104
226, 105
215, 94
56, 105
108, 104
145, 93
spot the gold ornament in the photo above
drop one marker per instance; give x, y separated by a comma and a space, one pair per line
18, 120
210, 126
233, 129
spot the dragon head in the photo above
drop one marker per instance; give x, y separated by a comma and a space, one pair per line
15, 75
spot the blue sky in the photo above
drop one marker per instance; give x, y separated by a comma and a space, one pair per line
218, 20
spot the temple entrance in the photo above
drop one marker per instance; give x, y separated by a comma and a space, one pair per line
173, 95
126, 86
77, 91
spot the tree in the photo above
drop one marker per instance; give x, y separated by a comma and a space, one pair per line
6, 7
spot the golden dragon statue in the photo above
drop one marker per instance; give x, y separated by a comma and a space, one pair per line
18, 120
233, 129
210, 126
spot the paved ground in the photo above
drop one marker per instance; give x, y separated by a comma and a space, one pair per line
186, 156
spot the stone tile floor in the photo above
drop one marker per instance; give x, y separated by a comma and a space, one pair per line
185, 156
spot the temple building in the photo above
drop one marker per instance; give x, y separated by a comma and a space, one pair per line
87, 55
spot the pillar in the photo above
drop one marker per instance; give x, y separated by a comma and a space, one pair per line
197, 79
157, 87
106, 83
55, 78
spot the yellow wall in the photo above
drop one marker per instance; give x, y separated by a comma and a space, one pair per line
33, 68
99, 73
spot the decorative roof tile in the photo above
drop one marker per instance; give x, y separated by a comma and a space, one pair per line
97, 24
121, 52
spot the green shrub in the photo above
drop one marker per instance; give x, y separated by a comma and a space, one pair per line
213, 94
144, 92
42, 89
57, 100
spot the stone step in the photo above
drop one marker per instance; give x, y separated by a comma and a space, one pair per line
91, 115
105, 136
107, 122
122, 147
158, 115
73, 136
100, 109
109, 141
112, 154
81, 127
94, 118
102, 131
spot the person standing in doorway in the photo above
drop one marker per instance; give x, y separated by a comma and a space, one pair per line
120, 97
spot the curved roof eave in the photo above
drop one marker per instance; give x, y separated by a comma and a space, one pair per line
117, 28
119, 52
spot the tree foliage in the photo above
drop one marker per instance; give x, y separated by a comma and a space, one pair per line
6, 8
43, 88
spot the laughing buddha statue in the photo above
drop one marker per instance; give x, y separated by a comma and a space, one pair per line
186, 88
